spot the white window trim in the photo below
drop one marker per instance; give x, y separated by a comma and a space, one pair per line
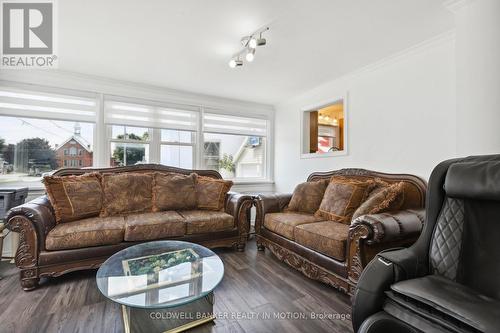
85, 85
192, 144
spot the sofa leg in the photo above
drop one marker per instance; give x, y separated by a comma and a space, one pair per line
29, 284
240, 247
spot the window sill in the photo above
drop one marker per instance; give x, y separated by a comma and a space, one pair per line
252, 182
330, 154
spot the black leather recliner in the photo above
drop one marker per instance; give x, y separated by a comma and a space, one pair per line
449, 280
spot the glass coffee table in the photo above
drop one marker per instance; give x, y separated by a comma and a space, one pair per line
162, 286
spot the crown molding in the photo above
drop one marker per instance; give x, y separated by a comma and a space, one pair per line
456, 5
415, 50
443, 38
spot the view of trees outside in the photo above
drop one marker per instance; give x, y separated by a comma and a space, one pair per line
29, 148
126, 152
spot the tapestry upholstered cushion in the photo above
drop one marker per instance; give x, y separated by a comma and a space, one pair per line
94, 231
149, 226
125, 193
387, 199
307, 196
202, 221
211, 193
327, 237
284, 223
74, 197
342, 197
174, 191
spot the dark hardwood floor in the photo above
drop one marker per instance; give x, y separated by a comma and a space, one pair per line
255, 284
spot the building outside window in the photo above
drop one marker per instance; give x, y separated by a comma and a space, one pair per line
235, 146
31, 148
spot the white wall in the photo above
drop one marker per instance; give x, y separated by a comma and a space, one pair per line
478, 77
401, 116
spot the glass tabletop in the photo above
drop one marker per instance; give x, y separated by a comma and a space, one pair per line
160, 274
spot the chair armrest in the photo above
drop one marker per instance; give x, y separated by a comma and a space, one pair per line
238, 205
387, 227
388, 266
370, 234
33, 221
377, 278
269, 203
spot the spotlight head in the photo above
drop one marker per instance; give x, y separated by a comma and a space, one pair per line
250, 55
261, 42
252, 43
235, 63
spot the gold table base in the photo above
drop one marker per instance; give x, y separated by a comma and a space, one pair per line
180, 318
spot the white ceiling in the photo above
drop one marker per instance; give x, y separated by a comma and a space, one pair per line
186, 44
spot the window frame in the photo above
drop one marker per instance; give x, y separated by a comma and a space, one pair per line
180, 144
110, 140
102, 136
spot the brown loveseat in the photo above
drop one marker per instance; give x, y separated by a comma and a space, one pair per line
332, 252
50, 249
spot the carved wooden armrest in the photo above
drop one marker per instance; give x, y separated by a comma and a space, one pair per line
32, 220
269, 203
238, 205
375, 230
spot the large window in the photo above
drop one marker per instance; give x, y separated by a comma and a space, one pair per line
43, 129
235, 146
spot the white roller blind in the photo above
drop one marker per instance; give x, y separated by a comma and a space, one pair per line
120, 111
36, 104
222, 123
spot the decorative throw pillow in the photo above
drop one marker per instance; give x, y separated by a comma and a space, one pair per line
125, 193
307, 196
174, 191
211, 193
342, 197
74, 197
387, 199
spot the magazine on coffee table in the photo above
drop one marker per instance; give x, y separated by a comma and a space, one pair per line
161, 269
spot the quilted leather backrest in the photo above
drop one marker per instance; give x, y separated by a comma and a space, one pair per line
446, 243
465, 246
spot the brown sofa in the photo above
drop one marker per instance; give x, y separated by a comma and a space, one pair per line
48, 249
332, 252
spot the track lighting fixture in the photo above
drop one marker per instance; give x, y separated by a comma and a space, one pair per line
250, 44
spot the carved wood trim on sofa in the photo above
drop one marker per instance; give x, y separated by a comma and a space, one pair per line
306, 267
137, 168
